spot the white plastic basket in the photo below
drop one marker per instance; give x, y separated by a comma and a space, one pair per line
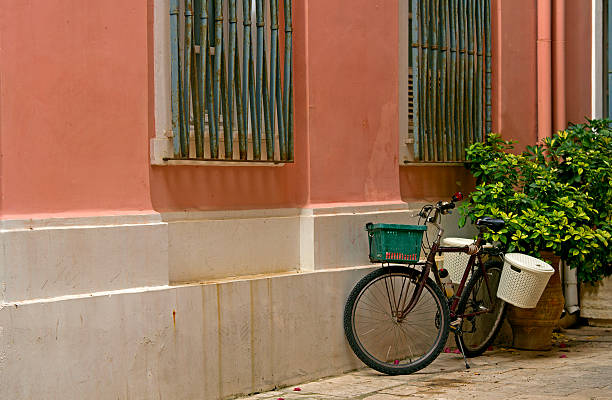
455, 263
523, 280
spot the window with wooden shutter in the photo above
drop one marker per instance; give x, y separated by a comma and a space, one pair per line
232, 80
445, 54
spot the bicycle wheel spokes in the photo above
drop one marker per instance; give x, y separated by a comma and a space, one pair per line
480, 330
480, 301
387, 336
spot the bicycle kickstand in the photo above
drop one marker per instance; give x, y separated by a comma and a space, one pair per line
458, 331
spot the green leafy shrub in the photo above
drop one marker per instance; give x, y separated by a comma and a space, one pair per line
582, 156
556, 196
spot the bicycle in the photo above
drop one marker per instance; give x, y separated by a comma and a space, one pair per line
397, 319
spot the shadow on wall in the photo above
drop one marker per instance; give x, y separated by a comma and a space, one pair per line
207, 188
434, 183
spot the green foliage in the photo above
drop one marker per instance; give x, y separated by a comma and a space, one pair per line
556, 196
583, 156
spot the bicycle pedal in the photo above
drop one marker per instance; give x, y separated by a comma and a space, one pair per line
455, 326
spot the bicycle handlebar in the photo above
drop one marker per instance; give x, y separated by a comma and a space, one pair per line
445, 206
441, 207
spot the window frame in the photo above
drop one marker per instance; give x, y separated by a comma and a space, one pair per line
161, 145
481, 62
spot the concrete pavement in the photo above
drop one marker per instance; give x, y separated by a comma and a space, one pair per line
578, 367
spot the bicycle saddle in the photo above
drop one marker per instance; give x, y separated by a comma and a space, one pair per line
491, 223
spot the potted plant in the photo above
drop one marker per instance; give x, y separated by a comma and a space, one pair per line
550, 197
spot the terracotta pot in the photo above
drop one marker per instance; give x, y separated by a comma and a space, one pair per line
532, 327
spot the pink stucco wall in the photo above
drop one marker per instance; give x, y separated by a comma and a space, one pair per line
578, 60
242, 187
77, 109
434, 183
346, 119
514, 26
514, 36
353, 100
73, 104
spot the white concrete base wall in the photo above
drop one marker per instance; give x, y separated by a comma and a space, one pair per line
212, 245
340, 239
87, 310
595, 301
186, 342
64, 256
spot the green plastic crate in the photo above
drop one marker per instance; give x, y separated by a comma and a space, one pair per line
395, 243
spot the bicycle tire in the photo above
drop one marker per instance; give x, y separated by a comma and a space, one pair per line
418, 338
479, 331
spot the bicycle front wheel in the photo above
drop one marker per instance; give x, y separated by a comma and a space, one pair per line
378, 332
479, 331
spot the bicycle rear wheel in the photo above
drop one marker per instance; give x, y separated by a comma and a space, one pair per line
479, 331
384, 339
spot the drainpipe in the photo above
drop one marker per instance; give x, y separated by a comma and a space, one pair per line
570, 279
558, 51
570, 289
544, 68
597, 60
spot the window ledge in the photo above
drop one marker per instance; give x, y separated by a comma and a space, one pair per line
228, 163
162, 155
435, 163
